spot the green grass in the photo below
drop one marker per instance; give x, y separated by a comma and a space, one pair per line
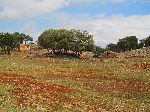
94, 85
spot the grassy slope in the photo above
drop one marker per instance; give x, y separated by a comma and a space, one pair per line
74, 85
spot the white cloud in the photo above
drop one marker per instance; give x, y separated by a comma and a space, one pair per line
81, 1
119, 0
92, 1
12, 9
108, 29
105, 29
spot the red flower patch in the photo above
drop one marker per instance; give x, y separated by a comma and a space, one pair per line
30, 91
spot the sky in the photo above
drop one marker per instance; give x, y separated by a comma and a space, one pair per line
106, 20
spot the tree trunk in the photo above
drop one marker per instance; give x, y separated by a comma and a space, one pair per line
8, 50
2, 49
5, 50
53, 51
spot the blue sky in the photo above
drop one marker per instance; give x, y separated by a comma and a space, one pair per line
107, 20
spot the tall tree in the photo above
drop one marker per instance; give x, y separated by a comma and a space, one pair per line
62, 39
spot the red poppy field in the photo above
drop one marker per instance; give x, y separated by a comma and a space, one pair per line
74, 85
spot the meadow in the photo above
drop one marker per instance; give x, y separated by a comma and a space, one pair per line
74, 85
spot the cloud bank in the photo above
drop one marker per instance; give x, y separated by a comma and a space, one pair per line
107, 29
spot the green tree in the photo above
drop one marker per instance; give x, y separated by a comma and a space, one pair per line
8, 41
147, 41
112, 47
1, 41
141, 43
64, 40
23, 38
128, 43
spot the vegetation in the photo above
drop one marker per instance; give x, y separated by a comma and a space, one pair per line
72, 85
23, 38
9, 41
144, 42
63, 40
41, 85
98, 51
129, 43
112, 47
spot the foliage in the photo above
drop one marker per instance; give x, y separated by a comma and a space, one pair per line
112, 47
63, 40
147, 41
23, 37
141, 43
8, 41
144, 42
128, 43
99, 50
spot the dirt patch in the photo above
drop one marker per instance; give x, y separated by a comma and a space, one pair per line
141, 66
31, 82
114, 84
30, 91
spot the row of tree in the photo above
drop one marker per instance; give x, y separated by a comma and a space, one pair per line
9, 41
129, 43
63, 40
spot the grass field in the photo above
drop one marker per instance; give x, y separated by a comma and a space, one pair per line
72, 85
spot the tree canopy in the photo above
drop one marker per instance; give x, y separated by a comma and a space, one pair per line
65, 40
112, 47
147, 41
128, 43
124, 44
23, 37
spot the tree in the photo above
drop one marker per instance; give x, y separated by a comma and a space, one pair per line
23, 37
63, 40
81, 41
144, 42
1, 41
8, 41
112, 47
141, 43
147, 41
128, 43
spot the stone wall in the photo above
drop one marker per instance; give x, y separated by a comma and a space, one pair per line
144, 52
